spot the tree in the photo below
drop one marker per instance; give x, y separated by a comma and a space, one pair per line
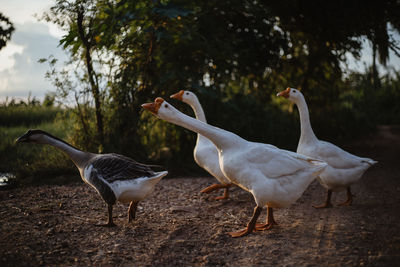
234, 52
78, 17
6, 29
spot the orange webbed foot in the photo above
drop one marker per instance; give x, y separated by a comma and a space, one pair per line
349, 200
323, 206
243, 232
211, 188
346, 203
225, 195
265, 226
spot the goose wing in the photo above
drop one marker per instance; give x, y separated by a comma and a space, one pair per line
113, 167
274, 162
335, 156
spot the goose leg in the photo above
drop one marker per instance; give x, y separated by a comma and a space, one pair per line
349, 198
269, 222
214, 187
132, 210
327, 203
226, 193
250, 226
110, 222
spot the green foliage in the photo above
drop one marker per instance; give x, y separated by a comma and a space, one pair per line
377, 106
49, 100
387, 101
33, 163
235, 55
26, 115
6, 29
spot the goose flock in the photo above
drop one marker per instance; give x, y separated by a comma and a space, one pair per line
275, 177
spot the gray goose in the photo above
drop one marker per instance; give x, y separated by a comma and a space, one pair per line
114, 177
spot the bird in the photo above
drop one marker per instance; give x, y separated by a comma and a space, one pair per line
205, 153
343, 170
115, 177
275, 177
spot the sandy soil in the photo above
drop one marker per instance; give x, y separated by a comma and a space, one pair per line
176, 225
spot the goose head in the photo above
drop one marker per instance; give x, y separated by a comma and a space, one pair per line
185, 96
33, 136
161, 109
290, 93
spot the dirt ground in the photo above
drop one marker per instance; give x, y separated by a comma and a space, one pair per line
178, 226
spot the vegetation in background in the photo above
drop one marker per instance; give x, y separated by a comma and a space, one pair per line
6, 30
235, 55
34, 163
27, 113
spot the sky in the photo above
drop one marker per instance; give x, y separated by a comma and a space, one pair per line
22, 74
20, 71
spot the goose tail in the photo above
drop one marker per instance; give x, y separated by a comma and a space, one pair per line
319, 166
155, 178
369, 161
158, 175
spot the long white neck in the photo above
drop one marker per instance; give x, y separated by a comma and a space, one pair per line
307, 134
199, 113
222, 139
79, 157
198, 110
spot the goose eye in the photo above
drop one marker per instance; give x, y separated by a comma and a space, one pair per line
187, 93
166, 105
293, 91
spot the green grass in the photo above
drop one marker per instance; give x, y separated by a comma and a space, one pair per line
27, 115
33, 163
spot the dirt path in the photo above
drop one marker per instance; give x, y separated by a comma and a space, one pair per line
53, 225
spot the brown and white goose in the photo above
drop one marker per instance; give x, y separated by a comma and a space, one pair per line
114, 177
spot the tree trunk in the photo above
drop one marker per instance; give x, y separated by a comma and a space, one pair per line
91, 74
81, 115
374, 69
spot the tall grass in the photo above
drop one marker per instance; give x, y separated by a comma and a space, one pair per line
26, 115
31, 163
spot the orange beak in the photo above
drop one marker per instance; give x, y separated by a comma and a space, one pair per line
285, 93
178, 95
155, 106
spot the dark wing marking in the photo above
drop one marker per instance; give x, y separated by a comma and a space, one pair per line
113, 167
104, 189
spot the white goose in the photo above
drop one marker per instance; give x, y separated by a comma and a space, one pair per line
205, 153
343, 168
114, 177
275, 177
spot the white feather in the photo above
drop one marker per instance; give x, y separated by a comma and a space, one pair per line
275, 177
344, 168
136, 189
205, 153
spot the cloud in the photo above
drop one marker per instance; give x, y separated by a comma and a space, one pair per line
6, 59
26, 74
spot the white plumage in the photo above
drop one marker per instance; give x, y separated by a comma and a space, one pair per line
343, 168
205, 153
275, 177
129, 190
